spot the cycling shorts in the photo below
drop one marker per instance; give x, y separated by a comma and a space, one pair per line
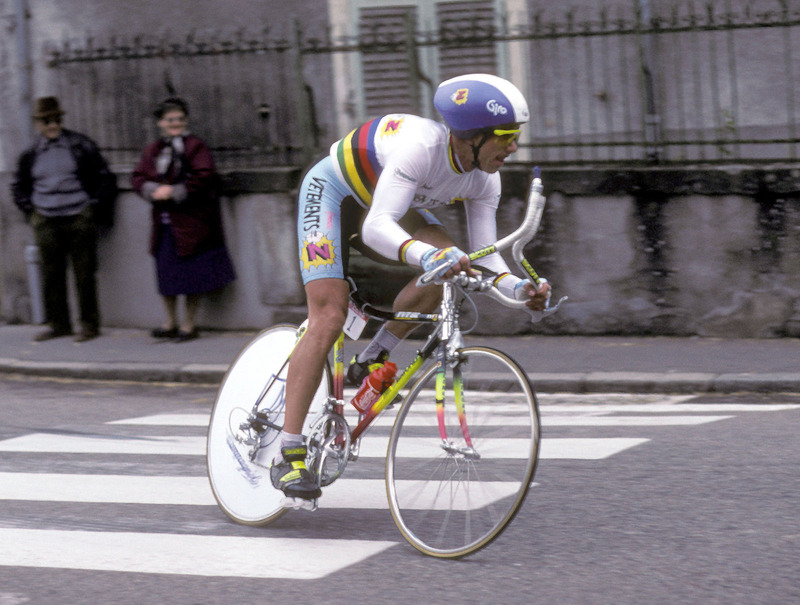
329, 222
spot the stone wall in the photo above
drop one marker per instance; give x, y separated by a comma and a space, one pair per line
650, 251
664, 251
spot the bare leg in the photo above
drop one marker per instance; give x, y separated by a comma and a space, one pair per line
192, 301
327, 311
170, 306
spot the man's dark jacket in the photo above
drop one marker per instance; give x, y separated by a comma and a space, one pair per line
97, 180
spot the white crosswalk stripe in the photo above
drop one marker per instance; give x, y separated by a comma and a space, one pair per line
575, 449
550, 420
262, 556
256, 557
186, 491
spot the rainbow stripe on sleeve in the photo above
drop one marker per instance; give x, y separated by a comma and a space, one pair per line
358, 160
499, 277
404, 248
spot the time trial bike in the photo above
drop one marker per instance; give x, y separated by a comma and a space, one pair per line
464, 442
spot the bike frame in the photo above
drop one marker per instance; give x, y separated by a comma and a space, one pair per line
441, 341
387, 396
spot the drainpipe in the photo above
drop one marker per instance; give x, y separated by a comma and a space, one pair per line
32, 256
21, 17
33, 263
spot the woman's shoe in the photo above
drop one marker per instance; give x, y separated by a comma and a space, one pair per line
183, 336
51, 333
164, 333
87, 335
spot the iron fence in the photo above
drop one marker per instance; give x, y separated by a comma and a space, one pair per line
679, 82
242, 90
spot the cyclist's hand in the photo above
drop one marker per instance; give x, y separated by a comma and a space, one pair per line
535, 298
446, 261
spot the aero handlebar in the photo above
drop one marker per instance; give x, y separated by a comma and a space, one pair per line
516, 241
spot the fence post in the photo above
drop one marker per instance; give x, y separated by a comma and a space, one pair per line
652, 134
304, 107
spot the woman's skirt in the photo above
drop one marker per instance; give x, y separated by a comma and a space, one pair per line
196, 274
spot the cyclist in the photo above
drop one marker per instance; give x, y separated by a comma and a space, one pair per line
378, 185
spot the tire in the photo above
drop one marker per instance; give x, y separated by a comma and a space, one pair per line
452, 504
242, 488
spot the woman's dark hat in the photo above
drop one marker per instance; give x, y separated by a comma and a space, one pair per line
46, 107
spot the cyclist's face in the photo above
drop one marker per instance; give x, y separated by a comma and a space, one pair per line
495, 151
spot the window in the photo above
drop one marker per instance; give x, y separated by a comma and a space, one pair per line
467, 33
405, 48
389, 66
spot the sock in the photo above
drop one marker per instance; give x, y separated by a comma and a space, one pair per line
384, 340
288, 440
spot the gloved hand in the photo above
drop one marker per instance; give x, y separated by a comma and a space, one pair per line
536, 298
443, 260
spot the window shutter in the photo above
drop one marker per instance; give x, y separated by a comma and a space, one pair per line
467, 33
387, 69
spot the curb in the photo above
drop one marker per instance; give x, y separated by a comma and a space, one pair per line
205, 374
588, 382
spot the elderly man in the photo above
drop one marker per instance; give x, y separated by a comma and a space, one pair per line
58, 183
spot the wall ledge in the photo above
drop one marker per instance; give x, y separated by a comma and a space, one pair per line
768, 180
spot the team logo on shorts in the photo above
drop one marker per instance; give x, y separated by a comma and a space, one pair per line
316, 251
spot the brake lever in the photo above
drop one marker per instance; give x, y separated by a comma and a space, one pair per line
537, 316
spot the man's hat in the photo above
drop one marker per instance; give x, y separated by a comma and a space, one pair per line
46, 107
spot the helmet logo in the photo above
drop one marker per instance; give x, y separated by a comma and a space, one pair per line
495, 108
459, 97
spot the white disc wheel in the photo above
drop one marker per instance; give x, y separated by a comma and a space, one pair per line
255, 382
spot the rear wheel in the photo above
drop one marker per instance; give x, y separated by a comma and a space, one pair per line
254, 385
452, 496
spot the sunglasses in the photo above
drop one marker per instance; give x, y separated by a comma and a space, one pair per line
506, 137
53, 120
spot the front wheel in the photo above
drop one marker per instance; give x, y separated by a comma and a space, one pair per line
458, 472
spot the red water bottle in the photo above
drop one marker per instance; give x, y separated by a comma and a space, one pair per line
376, 383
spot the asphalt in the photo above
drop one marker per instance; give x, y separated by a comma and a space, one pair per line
576, 364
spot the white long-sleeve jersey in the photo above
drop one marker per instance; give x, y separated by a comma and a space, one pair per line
402, 161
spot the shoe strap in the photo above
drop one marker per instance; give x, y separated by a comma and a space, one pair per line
294, 454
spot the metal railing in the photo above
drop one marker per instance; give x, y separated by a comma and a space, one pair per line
245, 94
711, 82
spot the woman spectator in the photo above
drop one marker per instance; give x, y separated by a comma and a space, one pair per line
177, 175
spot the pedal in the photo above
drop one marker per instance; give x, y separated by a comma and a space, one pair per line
300, 503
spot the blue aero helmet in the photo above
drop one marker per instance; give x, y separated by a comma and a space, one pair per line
476, 103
